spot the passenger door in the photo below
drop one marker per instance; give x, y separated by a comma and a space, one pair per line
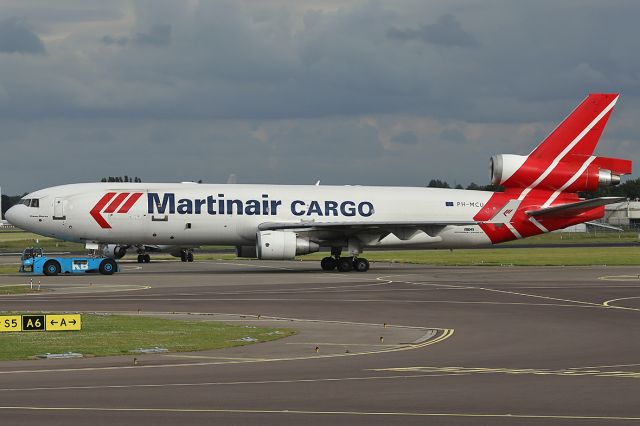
58, 209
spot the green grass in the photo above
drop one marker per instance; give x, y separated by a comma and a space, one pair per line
9, 268
16, 241
118, 334
560, 238
16, 289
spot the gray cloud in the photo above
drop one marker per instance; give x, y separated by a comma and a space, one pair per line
453, 135
17, 37
157, 36
405, 138
446, 31
115, 40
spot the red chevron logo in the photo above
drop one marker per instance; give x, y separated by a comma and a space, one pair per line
110, 202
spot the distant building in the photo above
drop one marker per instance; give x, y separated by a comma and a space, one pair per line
625, 214
580, 227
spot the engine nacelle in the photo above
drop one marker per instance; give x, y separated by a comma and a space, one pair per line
503, 166
250, 252
572, 174
282, 245
114, 251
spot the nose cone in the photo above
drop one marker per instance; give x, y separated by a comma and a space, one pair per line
13, 216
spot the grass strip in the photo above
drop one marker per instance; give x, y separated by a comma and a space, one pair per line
16, 241
17, 289
103, 335
9, 268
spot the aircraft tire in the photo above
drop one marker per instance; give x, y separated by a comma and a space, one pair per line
147, 258
361, 265
140, 258
328, 264
183, 256
107, 267
345, 264
189, 257
51, 268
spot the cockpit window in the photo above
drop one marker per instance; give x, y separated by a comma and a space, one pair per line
30, 202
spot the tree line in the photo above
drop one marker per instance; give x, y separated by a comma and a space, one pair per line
629, 189
124, 178
437, 183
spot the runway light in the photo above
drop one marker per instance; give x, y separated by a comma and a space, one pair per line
381, 339
385, 325
317, 349
259, 316
135, 361
347, 351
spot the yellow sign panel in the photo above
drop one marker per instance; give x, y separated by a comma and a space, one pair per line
10, 323
64, 322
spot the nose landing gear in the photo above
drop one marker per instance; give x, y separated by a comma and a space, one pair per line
186, 256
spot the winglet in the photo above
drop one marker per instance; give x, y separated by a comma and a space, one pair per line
506, 213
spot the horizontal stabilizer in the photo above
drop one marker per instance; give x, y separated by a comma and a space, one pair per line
604, 226
571, 207
618, 166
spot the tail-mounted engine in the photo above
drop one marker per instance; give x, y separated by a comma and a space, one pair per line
574, 173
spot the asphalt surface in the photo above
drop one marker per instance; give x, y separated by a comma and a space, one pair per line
482, 345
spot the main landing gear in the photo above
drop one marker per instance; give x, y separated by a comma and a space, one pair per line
344, 264
144, 258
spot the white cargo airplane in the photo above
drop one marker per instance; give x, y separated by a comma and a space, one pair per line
282, 221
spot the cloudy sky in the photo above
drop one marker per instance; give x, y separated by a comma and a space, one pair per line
292, 91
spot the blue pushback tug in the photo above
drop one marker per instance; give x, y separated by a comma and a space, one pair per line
34, 261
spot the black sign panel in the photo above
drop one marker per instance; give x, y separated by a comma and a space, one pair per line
33, 323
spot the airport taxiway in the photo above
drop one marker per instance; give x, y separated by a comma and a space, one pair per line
461, 345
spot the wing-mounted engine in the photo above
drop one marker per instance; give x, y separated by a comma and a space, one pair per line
574, 173
282, 245
114, 251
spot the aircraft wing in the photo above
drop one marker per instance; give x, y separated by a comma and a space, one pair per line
370, 232
573, 208
358, 226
